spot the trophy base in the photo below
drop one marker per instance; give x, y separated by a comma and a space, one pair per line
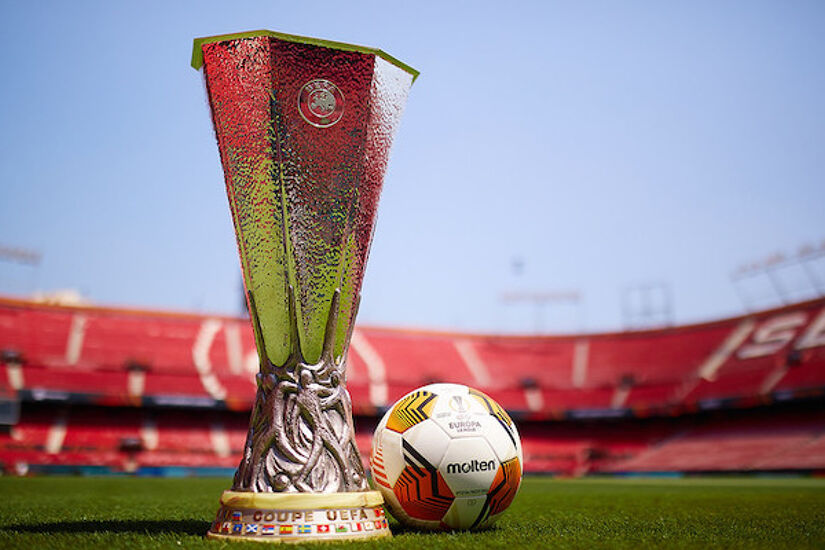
299, 517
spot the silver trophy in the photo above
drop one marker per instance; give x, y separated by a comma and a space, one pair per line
304, 129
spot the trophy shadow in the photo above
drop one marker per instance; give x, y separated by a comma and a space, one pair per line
151, 527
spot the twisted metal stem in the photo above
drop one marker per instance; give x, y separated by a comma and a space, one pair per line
301, 437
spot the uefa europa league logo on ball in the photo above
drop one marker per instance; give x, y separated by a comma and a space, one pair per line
304, 129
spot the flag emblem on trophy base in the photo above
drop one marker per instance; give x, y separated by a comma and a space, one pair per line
313, 520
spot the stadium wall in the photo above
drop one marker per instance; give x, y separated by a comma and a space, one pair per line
149, 369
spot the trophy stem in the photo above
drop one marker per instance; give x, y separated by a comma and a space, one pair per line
301, 437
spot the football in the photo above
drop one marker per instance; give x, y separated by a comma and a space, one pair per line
446, 456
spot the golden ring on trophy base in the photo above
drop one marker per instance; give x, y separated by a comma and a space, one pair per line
298, 517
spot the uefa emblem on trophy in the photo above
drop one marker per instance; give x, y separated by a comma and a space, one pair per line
304, 128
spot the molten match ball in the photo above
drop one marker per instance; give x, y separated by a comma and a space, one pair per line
446, 456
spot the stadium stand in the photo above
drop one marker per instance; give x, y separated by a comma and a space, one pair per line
761, 440
126, 390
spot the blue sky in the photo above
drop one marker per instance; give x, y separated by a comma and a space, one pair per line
605, 144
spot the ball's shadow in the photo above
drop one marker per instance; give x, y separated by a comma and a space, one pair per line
152, 527
399, 529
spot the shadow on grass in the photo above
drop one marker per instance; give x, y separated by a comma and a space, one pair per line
398, 529
151, 527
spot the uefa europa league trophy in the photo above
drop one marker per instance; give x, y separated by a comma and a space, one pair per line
304, 128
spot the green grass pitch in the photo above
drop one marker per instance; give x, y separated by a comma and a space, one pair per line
55, 512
